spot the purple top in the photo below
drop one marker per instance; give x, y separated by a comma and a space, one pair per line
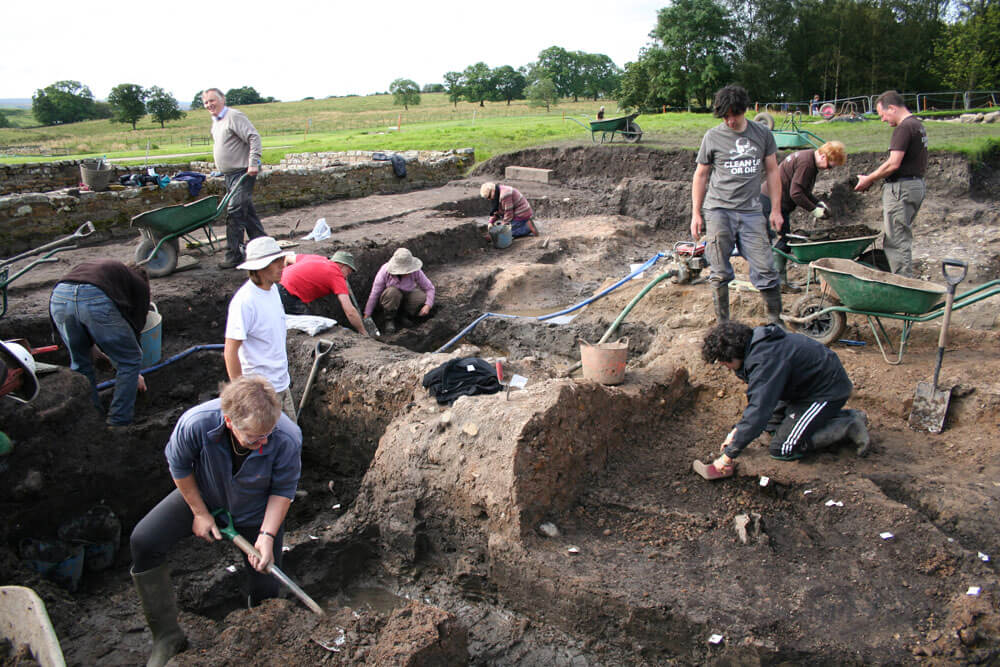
406, 283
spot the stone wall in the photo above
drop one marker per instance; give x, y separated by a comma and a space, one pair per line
28, 220
48, 176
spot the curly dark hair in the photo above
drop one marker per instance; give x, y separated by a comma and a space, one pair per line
726, 342
731, 99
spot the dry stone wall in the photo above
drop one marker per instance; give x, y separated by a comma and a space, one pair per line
29, 219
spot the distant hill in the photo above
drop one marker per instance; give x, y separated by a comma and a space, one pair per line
15, 103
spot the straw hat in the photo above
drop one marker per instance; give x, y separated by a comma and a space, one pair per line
403, 262
345, 258
261, 251
486, 190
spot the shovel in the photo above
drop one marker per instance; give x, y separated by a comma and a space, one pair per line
229, 530
323, 348
930, 403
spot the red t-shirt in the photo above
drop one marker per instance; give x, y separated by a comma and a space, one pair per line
312, 277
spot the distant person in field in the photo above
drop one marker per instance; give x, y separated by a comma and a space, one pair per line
903, 191
798, 177
814, 106
508, 206
600, 114
237, 152
401, 292
307, 278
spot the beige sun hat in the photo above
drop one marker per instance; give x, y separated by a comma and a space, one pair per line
403, 262
262, 251
486, 190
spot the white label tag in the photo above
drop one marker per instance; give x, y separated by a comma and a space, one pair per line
518, 381
470, 368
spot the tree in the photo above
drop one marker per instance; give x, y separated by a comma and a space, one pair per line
478, 84
128, 103
598, 75
196, 103
508, 83
244, 96
162, 106
432, 88
965, 55
646, 82
405, 92
696, 41
4, 121
542, 93
454, 85
63, 102
563, 69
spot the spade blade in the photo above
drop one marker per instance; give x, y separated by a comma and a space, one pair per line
930, 405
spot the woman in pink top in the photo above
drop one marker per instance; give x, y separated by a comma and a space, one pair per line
401, 291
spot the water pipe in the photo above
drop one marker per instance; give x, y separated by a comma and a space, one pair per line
177, 357
625, 311
541, 318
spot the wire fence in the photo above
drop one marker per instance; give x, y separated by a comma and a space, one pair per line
948, 100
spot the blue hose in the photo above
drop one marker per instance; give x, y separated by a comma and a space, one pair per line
541, 318
177, 357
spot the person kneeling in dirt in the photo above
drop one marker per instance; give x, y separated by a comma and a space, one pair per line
401, 291
796, 388
237, 453
307, 278
798, 177
509, 207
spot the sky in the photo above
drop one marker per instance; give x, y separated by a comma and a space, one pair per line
290, 49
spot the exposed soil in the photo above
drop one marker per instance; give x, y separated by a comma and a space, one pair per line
417, 525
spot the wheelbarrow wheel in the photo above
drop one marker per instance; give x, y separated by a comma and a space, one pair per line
633, 133
163, 262
825, 328
765, 119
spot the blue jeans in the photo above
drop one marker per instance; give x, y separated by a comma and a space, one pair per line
84, 315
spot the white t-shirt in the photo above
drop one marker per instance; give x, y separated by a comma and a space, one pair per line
257, 318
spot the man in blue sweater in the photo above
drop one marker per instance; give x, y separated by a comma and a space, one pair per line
796, 389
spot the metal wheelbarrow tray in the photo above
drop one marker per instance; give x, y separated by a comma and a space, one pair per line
875, 294
161, 228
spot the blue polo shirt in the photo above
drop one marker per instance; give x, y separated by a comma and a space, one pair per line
200, 446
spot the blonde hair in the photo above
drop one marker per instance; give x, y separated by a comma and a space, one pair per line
486, 190
834, 152
251, 403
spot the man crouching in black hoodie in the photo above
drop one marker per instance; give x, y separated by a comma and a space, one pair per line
796, 388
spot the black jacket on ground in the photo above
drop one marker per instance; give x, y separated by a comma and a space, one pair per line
787, 367
461, 377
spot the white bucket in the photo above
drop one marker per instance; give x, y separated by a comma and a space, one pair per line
151, 338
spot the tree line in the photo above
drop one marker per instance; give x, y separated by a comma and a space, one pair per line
792, 49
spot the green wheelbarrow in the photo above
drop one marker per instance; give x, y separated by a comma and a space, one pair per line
790, 135
877, 295
624, 126
161, 228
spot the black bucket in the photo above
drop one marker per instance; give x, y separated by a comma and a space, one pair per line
99, 531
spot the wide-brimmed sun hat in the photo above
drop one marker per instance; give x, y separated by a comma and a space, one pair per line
345, 258
403, 262
262, 251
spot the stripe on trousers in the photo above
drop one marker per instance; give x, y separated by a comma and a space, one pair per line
793, 437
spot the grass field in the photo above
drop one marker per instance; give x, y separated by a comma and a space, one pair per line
369, 123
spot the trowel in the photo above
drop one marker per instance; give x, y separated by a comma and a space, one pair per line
930, 403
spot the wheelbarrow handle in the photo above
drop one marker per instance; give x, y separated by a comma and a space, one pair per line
954, 278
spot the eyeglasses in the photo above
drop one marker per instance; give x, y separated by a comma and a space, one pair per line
254, 440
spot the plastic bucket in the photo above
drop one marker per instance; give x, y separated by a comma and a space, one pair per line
151, 338
56, 560
604, 362
99, 531
502, 236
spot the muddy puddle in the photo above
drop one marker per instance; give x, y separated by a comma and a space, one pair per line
418, 526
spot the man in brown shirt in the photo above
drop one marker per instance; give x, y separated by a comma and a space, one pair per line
903, 171
798, 173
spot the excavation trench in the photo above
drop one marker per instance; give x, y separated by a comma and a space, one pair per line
419, 526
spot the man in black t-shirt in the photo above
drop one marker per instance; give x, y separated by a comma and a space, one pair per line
903, 171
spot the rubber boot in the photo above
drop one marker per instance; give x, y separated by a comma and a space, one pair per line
160, 609
781, 265
772, 301
720, 296
847, 425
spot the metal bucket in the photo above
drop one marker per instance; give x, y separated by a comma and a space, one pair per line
604, 362
502, 236
151, 338
96, 174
